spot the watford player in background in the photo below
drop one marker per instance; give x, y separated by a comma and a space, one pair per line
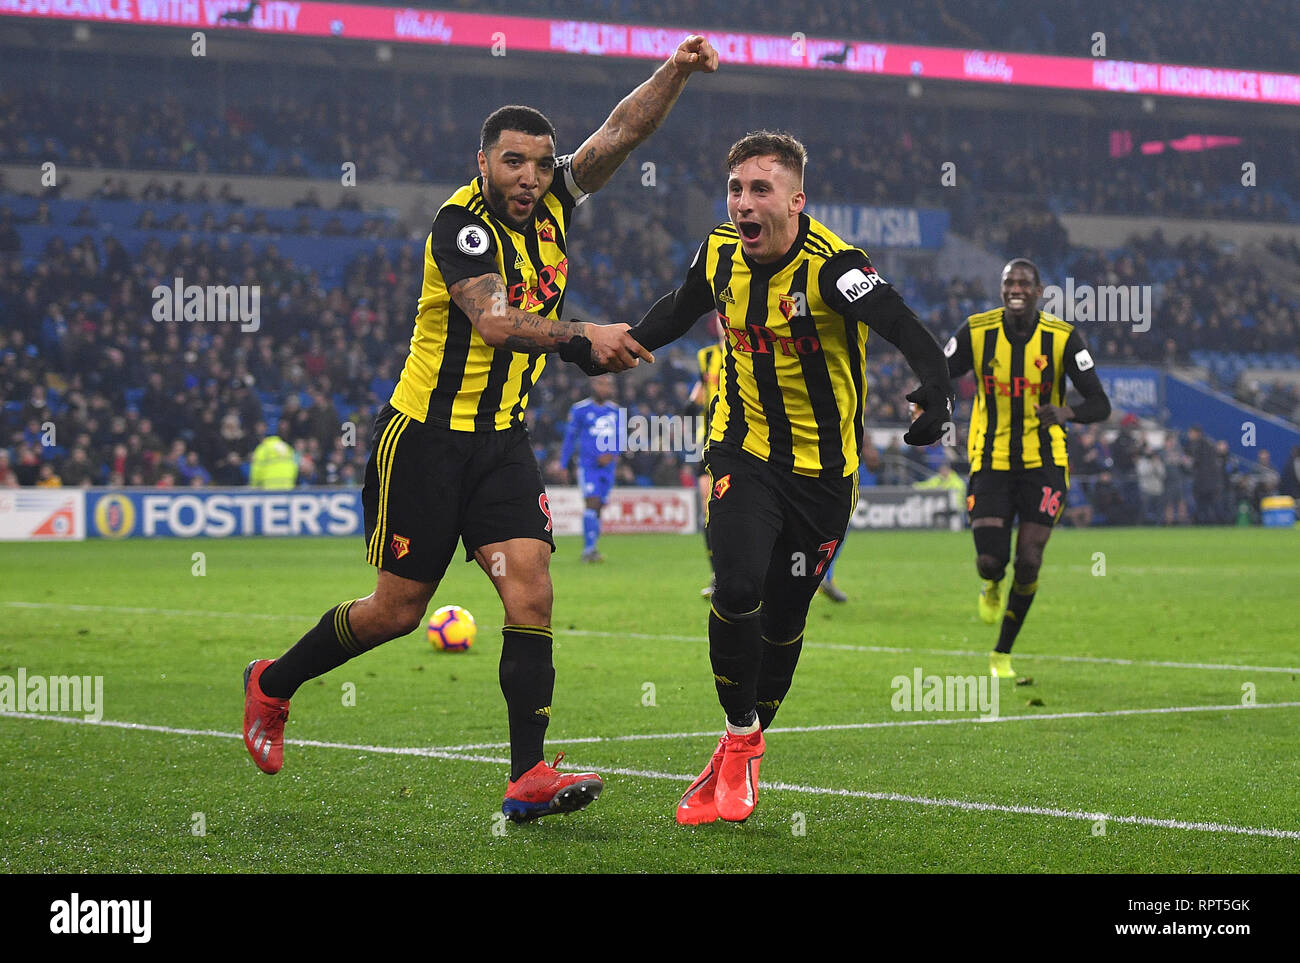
709, 361
1021, 357
452, 459
785, 434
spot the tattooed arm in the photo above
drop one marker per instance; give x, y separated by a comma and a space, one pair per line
483, 299
639, 114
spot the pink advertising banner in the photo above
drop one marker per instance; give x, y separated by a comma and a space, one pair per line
797, 52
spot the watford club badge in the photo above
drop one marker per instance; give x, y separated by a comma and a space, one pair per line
1040, 362
721, 486
401, 546
787, 305
546, 230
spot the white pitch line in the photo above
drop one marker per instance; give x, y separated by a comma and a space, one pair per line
896, 650
964, 804
838, 727
135, 610
903, 650
1042, 656
433, 751
1043, 811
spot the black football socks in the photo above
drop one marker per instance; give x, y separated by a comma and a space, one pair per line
775, 675
736, 651
325, 647
527, 678
1018, 602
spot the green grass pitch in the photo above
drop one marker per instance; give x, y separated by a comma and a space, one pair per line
1192, 621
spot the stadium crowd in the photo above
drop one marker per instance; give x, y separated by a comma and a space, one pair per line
97, 392
1190, 478
109, 396
891, 155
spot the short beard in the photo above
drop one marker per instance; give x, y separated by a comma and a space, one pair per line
496, 202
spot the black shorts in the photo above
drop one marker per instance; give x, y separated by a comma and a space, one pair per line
772, 534
1031, 494
428, 486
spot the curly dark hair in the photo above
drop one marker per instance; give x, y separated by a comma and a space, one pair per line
526, 120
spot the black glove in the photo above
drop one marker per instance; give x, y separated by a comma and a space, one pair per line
936, 412
577, 350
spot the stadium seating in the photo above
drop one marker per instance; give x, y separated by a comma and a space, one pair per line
341, 284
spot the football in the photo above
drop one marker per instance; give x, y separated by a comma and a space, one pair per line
452, 629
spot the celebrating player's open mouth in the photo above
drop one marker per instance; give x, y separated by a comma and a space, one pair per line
1018, 294
751, 235
521, 205
763, 201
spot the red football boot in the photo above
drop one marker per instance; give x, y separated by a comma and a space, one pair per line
697, 804
542, 791
737, 790
264, 719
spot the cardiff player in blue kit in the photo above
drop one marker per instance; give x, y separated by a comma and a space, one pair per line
592, 433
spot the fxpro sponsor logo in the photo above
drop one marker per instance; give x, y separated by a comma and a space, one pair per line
1018, 386
74, 916
549, 286
760, 339
83, 694
114, 516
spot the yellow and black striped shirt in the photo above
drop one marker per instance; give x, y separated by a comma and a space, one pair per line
452, 378
1012, 377
792, 384
709, 360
